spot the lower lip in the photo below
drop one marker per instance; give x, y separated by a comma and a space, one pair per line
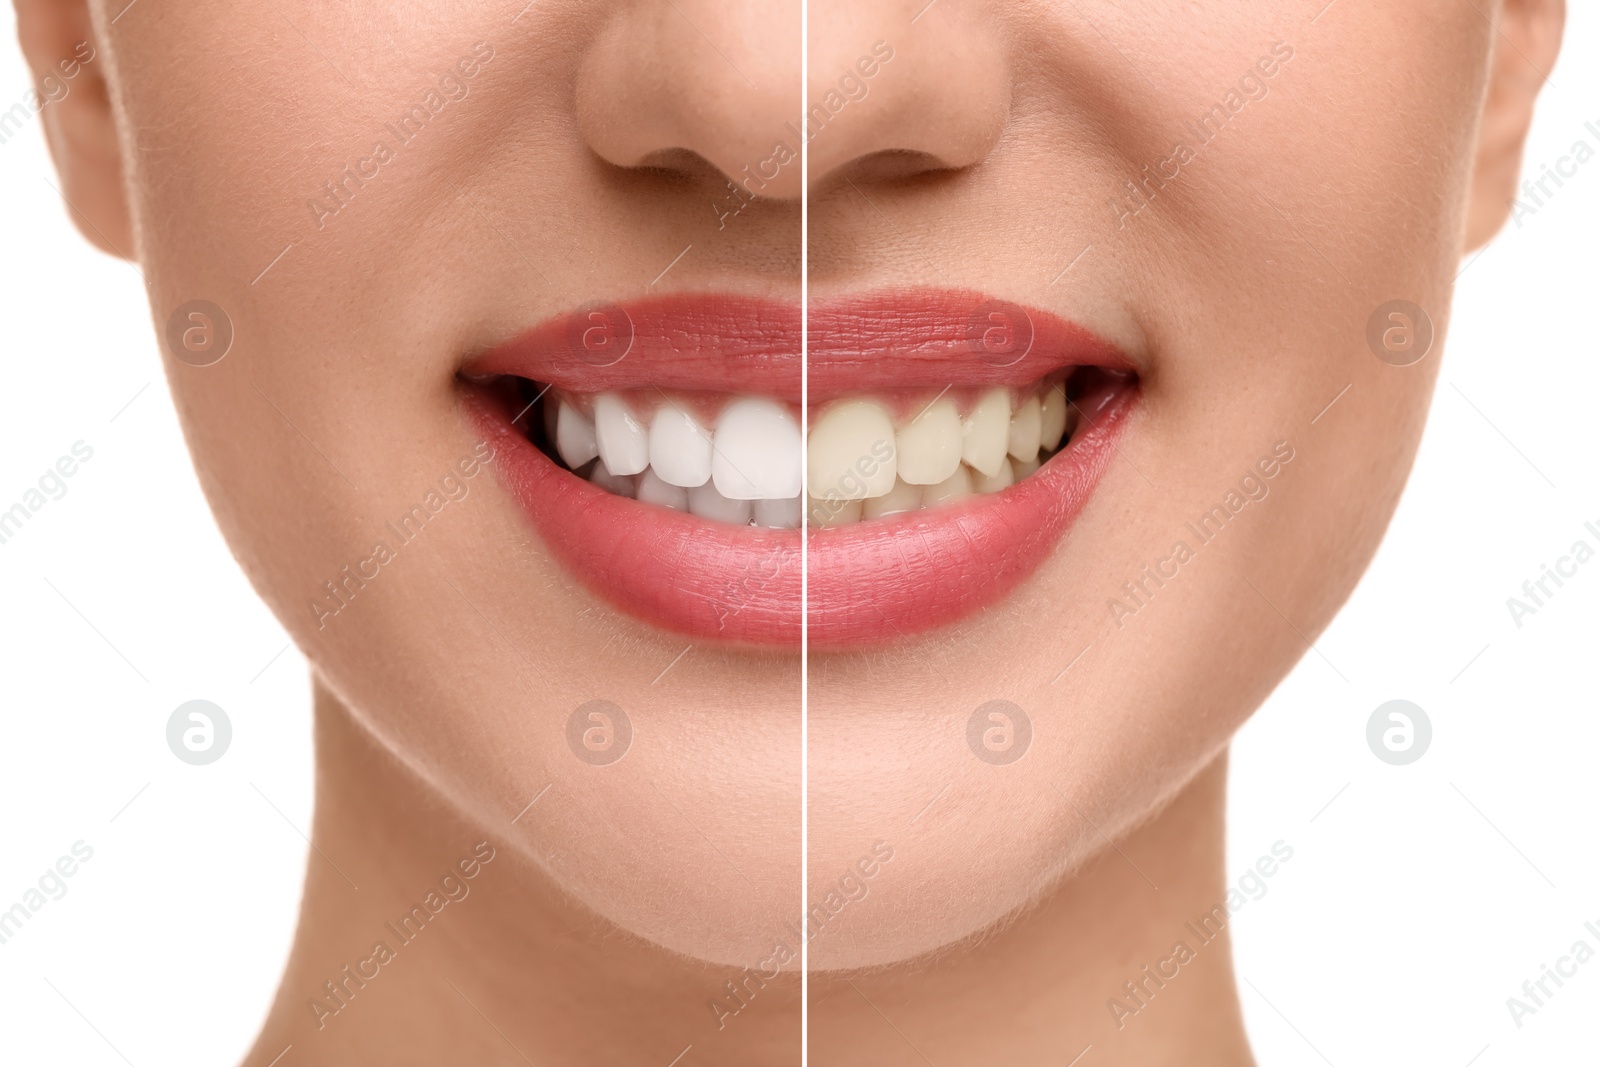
870, 583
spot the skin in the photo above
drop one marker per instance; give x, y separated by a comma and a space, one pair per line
584, 157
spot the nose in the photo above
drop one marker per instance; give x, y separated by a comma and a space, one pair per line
898, 89
679, 84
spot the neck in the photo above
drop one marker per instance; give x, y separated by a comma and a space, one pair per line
424, 938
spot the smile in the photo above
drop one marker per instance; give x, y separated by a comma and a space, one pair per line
950, 441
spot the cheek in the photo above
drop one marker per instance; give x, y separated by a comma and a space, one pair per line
1266, 258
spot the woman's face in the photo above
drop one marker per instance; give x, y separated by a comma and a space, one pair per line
1215, 204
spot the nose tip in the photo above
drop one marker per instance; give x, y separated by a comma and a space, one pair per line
712, 90
690, 83
889, 96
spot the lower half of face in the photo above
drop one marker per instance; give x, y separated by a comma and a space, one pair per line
1097, 429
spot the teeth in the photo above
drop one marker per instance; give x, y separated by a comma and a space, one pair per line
620, 484
850, 452
1053, 417
777, 514
828, 513
903, 497
624, 443
956, 487
1022, 440
985, 432
757, 453
706, 502
575, 441
551, 412
653, 490
680, 448
981, 483
928, 448
746, 472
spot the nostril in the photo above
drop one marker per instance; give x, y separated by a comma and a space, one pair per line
891, 165
683, 165
692, 176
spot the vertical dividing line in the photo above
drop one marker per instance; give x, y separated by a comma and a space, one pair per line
805, 550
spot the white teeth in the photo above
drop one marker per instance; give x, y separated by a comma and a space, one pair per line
680, 448
903, 497
747, 471
956, 487
624, 443
777, 514
575, 441
550, 411
828, 513
850, 452
982, 483
984, 433
928, 448
757, 451
620, 484
1022, 440
706, 502
1053, 417
653, 490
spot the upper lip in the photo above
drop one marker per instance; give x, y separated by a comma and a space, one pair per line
901, 339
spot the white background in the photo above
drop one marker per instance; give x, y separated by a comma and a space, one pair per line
1419, 898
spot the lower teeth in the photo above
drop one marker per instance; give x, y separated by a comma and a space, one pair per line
740, 464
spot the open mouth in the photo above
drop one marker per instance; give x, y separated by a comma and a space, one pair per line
736, 459
950, 440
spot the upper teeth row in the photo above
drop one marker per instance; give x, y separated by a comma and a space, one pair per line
854, 450
754, 453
